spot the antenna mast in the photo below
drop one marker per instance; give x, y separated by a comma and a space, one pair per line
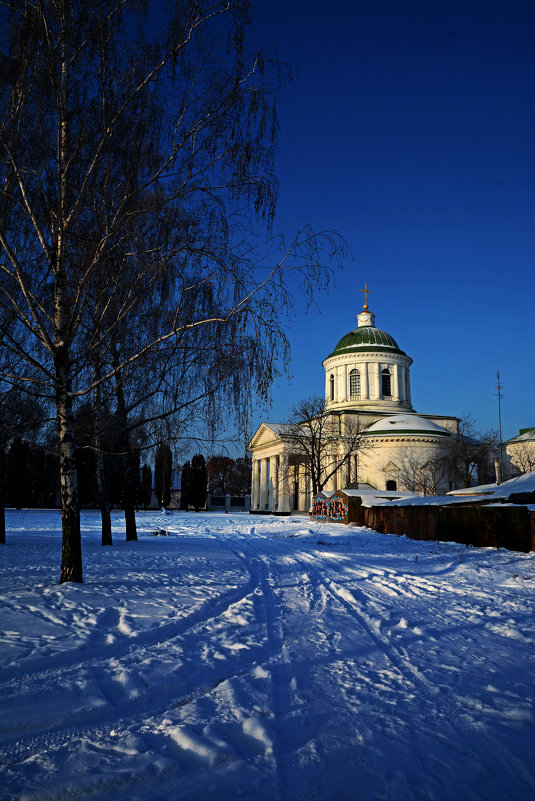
499, 387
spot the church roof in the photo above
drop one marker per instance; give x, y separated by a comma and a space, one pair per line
367, 338
409, 424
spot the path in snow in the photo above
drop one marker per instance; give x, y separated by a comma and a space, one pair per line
264, 658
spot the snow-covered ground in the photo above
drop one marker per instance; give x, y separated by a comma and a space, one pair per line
264, 658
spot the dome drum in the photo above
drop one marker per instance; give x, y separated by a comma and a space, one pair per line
367, 369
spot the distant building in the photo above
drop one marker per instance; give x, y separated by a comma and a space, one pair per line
519, 453
367, 382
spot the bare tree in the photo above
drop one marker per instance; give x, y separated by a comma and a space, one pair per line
322, 440
471, 453
424, 478
523, 456
136, 158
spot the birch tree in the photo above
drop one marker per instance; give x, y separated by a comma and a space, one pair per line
323, 441
136, 164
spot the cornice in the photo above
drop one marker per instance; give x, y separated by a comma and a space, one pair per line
407, 438
352, 356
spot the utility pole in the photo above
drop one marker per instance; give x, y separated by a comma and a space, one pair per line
499, 387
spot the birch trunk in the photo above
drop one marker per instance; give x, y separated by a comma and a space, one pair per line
71, 547
128, 499
2, 493
101, 475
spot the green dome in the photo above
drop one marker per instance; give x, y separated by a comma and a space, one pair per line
367, 338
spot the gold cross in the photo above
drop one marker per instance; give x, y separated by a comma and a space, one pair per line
366, 293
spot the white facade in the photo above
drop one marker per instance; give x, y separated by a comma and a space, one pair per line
367, 382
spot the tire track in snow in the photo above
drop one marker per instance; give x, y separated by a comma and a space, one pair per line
280, 669
354, 601
157, 635
354, 606
19, 744
279, 664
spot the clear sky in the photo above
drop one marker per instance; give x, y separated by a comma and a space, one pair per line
411, 131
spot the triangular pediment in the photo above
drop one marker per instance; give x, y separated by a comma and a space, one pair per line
390, 468
265, 435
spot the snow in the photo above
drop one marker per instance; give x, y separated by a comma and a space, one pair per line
412, 423
523, 483
264, 658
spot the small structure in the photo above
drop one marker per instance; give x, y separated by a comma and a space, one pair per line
345, 506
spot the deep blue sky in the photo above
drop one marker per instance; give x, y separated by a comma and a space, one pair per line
411, 131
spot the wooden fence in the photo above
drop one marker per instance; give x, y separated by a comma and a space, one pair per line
496, 526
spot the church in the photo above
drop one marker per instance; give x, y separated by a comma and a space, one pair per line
367, 387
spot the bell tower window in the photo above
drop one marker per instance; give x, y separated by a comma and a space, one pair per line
386, 386
331, 387
354, 384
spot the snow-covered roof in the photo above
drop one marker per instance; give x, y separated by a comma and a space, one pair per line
375, 492
524, 483
524, 435
397, 424
280, 428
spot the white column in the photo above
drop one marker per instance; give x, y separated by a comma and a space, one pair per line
255, 501
275, 468
408, 385
377, 381
395, 383
284, 496
347, 468
253, 482
308, 480
364, 386
401, 378
270, 462
263, 485
298, 481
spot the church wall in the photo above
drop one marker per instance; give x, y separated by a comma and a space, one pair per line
413, 463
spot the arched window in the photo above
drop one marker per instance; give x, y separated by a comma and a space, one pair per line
391, 486
386, 383
331, 384
354, 384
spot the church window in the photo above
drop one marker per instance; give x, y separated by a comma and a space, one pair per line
331, 383
354, 384
386, 383
391, 486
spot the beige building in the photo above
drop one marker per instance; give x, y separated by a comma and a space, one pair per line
367, 385
519, 453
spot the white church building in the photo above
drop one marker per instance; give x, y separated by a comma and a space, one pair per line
367, 384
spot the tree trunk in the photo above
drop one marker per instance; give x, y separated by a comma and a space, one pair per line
101, 475
71, 549
2, 494
102, 488
124, 440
